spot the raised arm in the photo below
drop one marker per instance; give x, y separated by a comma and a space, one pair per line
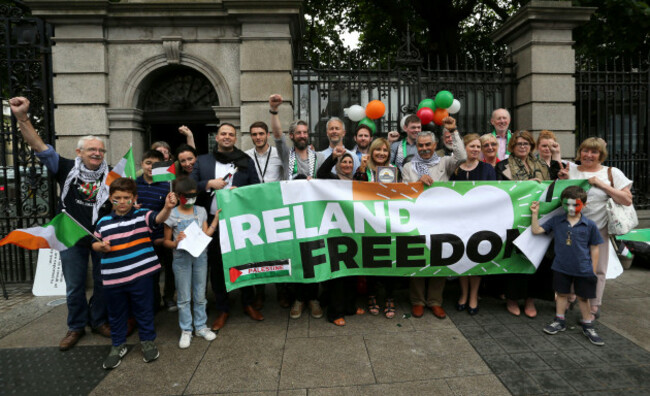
189, 136
275, 101
20, 106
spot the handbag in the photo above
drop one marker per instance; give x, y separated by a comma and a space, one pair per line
621, 219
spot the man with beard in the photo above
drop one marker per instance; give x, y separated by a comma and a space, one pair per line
269, 169
226, 167
405, 148
362, 138
427, 167
500, 120
83, 192
300, 162
447, 143
335, 135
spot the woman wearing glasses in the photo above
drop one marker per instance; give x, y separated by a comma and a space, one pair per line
489, 149
522, 165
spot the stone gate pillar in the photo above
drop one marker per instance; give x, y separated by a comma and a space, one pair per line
539, 37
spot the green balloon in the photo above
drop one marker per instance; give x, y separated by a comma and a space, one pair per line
444, 99
369, 123
427, 103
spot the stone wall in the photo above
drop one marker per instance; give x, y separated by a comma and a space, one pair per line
104, 52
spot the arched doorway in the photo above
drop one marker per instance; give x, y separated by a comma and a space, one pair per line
178, 95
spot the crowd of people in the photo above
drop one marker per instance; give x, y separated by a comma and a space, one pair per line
138, 224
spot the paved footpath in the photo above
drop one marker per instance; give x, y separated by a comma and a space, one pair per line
492, 353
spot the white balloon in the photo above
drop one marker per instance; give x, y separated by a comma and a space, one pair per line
455, 107
356, 113
403, 121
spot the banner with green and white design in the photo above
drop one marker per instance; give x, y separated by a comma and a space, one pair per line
313, 230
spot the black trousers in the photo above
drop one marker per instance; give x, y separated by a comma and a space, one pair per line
217, 280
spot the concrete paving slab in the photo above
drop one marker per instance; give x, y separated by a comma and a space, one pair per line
435, 387
168, 375
48, 330
323, 361
362, 324
477, 385
630, 318
298, 328
239, 364
413, 356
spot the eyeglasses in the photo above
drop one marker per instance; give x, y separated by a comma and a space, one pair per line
522, 144
95, 150
493, 144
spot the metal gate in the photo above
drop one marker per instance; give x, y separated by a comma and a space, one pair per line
27, 195
613, 102
323, 92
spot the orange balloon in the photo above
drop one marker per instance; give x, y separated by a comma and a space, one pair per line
375, 109
439, 115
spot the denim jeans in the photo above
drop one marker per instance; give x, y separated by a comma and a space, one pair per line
191, 274
81, 312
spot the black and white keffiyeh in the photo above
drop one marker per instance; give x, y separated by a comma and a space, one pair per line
293, 166
422, 166
80, 173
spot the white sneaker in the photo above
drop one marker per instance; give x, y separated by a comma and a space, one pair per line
207, 334
296, 309
186, 339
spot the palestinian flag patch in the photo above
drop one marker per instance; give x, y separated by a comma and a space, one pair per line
264, 269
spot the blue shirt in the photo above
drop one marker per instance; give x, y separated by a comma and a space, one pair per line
152, 197
574, 259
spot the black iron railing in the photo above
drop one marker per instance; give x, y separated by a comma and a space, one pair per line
27, 195
323, 92
613, 102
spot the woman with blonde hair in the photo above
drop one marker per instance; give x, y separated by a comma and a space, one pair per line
490, 149
471, 169
378, 155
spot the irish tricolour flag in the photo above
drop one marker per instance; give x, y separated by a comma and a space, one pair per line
59, 234
163, 171
124, 168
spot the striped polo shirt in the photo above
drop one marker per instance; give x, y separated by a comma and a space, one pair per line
132, 255
152, 196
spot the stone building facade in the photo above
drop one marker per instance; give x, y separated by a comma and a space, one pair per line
134, 70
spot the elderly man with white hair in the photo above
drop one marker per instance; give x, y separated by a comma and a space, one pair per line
82, 194
427, 167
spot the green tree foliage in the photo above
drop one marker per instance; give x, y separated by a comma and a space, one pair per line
441, 28
446, 29
618, 29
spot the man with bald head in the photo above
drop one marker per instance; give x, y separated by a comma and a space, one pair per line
83, 192
500, 120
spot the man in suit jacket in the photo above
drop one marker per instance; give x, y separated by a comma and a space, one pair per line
226, 167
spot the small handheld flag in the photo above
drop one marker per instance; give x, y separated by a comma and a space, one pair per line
163, 171
60, 233
124, 168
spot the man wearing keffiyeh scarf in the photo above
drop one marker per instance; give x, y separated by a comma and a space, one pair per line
82, 193
427, 167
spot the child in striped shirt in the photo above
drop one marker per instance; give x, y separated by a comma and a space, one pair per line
128, 264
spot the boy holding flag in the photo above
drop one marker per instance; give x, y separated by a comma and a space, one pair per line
152, 189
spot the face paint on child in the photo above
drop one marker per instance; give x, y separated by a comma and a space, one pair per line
572, 206
115, 202
188, 200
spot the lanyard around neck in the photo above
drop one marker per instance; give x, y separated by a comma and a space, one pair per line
268, 157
